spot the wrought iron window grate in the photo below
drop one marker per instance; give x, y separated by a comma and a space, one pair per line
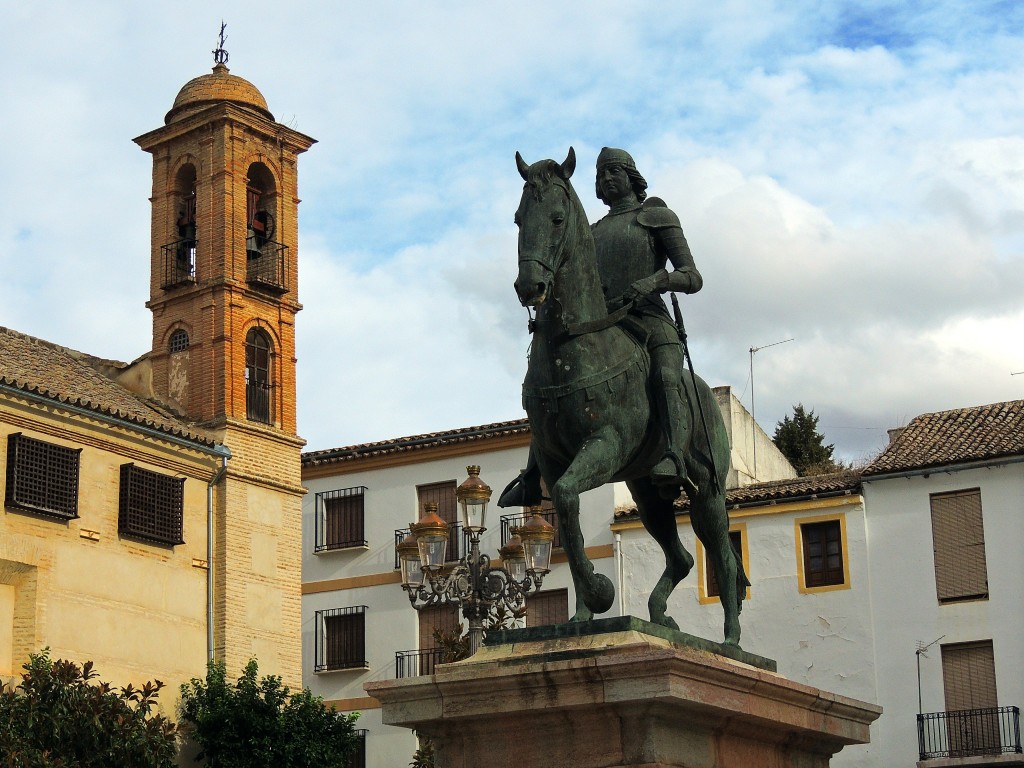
151, 506
340, 639
358, 757
340, 519
42, 478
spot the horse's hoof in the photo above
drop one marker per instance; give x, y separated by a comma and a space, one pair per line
583, 614
602, 595
665, 621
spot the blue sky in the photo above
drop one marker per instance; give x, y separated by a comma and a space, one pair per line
847, 174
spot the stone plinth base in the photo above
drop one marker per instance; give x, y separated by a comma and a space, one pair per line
622, 698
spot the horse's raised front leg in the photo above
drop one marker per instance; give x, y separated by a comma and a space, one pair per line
658, 516
592, 467
711, 524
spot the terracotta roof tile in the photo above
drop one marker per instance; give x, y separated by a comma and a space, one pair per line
415, 443
792, 489
64, 375
955, 437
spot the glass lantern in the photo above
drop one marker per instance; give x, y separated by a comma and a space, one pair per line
409, 561
538, 537
473, 496
431, 534
514, 559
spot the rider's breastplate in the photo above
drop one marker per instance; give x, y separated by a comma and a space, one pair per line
625, 254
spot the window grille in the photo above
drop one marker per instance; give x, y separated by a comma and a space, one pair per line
340, 519
358, 757
823, 553
548, 607
42, 478
958, 537
736, 540
258, 381
340, 639
151, 506
178, 341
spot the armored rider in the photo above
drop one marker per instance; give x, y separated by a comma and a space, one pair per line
636, 242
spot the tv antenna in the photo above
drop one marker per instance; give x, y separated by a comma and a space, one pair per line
922, 651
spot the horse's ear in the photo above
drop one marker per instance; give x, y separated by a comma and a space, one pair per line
522, 166
566, 168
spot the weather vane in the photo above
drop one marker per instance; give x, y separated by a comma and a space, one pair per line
220, 56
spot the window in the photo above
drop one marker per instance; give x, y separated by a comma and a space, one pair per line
42, 477
822, 562
448, 510
340, 639
707, 582
151, 506
358, 757
257, 376
958, 538
178, 341
339, 521
548, 607
969, 683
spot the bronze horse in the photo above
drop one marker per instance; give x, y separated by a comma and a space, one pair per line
588, 402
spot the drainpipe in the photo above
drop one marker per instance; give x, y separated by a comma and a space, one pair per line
618, 573
209, 552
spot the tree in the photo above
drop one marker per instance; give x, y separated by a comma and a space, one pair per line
61, 716
800, 442
262, 724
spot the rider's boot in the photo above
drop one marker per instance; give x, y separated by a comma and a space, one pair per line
525, 490
670, 472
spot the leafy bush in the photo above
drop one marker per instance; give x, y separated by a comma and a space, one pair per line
257, 723
58, 717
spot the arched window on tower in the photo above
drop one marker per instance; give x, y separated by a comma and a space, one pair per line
180, 254
258, 380
264, 256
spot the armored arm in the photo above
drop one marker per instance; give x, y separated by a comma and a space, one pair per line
669, 240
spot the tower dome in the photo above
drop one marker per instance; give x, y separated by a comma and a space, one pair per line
218, 86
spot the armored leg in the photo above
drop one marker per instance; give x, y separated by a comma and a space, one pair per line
673, 417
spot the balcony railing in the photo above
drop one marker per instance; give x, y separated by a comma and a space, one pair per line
419, 662
508, 522
969, 733
179, 264
265, 266
458, 543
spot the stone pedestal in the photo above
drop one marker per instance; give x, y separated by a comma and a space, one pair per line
634, 695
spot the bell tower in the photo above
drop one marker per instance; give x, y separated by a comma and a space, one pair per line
223, 295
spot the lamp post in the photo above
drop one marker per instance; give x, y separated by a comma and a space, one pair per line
473, 582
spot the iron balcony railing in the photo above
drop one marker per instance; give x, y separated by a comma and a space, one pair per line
969, 733
179, 264
265, 266
458, 543
508, 522
418, 662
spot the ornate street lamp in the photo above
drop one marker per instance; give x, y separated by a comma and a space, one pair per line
473, 582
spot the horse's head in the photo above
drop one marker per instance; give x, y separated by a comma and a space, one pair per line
546, 213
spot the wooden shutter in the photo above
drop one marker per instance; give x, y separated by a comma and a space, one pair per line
344, 519
969, 683
550, 607
958, 537
444, 495
442, 618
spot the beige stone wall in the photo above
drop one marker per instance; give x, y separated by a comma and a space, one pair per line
137, 610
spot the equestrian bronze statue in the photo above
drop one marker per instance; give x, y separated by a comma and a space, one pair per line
606, 392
